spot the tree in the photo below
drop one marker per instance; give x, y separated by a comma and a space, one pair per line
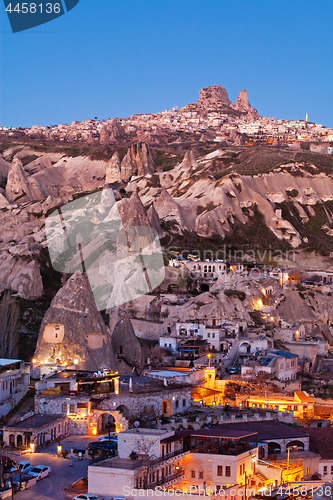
145, 448
9, 326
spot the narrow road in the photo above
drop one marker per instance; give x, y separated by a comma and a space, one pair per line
52, 488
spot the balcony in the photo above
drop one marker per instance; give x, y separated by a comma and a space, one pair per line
130, 464
168, 480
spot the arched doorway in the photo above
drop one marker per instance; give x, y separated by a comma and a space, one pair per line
167, 408
19, 440
12, 440
106, 423
123, 410
295, 445
274, 448
245, 348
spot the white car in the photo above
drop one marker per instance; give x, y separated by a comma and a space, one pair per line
24, 466
40, 471
86, 496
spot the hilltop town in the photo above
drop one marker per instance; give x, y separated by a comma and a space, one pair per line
212, 118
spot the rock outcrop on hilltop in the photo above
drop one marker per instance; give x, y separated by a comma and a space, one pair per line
242, 104
137, 161
73, 330
215, 98
125, 344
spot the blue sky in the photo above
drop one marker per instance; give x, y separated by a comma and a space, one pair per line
110, 58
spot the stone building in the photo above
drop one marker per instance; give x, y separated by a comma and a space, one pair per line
208, 459
35, 431
89, 410
14, 382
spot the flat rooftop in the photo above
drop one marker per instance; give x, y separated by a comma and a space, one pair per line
151, 432
270, 429
213, 433
35, 421
5, 361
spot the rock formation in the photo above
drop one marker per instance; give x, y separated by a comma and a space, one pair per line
104, 135
214, 97
125, 344
137, 161
242, 104
132, 212
113, 169
114, 130
73, 330
20, 186
154, 220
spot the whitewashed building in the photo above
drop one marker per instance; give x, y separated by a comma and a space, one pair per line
14, 382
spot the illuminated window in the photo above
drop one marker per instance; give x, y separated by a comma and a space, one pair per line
307, 472
193, 473
219, 470
72, 409
200, 474
64, 408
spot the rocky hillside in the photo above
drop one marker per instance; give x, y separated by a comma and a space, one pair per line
251, 198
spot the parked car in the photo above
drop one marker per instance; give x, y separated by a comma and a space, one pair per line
22, 467
113, 436
86, 496
103, 445
40, 471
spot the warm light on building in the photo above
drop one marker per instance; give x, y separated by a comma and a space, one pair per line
257, 304
32, 447
94, 432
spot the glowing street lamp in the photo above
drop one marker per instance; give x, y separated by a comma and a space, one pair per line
209, 356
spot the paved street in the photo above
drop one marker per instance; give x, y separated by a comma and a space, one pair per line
51, 488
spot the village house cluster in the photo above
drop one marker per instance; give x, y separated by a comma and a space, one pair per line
214, 125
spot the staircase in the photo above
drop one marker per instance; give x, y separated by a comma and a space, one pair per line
260, 476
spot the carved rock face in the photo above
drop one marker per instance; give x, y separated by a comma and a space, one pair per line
73, 330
